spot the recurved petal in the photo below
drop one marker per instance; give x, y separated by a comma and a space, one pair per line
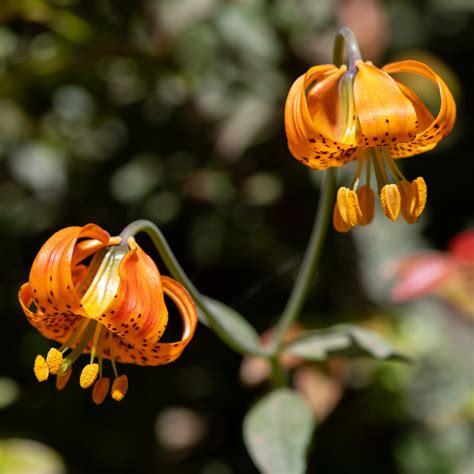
86, 248
441, 126
51, 273
55, 325
162, 352
137, 314
385, 114
424, 118
311, 114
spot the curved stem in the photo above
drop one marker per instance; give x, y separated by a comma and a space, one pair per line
310, 261
178, 273
166, 254
346, 40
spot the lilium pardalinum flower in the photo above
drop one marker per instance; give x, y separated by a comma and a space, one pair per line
384, 120
112, 308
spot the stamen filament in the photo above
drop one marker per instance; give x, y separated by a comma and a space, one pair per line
368, 171
397, 173
378, 173
74, 355
97, 333
100, 350
355, 181
112, 357
75, 336
381, 164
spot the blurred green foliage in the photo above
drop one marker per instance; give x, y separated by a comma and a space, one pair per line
172, 111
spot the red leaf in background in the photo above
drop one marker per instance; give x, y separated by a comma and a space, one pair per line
421, 275
462, 246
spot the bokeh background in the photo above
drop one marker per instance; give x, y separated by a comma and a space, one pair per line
171, 110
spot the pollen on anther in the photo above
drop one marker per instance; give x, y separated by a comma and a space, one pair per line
40, 369
119, 388
54, 360
88, 375
390, 200
100, 390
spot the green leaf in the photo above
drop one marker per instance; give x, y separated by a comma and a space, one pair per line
232, 327
343, 340
277, 432
24, 455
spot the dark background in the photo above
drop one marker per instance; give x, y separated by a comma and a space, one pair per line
172, 111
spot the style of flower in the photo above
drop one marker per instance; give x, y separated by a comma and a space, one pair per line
447, 275
93, 293
334, 115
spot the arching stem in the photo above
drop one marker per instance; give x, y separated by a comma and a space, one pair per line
345, 41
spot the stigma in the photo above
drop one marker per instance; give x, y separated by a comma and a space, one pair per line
355, 204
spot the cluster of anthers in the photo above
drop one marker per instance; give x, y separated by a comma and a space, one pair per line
91, 375
355, 205
98, 295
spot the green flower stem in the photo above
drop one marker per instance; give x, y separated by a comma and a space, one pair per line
279, 375
345, 41
178, 273
311, 259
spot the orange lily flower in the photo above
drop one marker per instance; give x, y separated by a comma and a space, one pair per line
377, 121
112, 307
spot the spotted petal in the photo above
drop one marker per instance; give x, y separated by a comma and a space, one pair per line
52, 325
51, 276
160, 353
311, 115
136, 313
428, 137
385, 114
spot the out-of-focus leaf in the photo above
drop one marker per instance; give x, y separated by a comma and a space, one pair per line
343, 340
262, 189
244, 29
457, 6
24, 456
135, 179
40, 167
178, 17
277, 432
232, 327
70, 26
9, 391
241, 128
